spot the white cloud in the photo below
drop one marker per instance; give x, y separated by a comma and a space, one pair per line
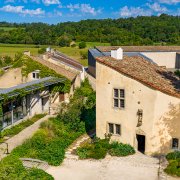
169, 1
50, 2
147, 10
134, 11
84, 8
21, 10
157, 8
73, 7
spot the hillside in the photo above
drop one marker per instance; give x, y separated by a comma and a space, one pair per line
154, 30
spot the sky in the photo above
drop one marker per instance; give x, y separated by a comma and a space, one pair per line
56, 11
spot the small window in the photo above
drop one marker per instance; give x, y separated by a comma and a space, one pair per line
116, 94
116, 103
175, 143
118, 129
111, 128
114, 129
122, 104
37, 75
119, 98
34, 75
122, 94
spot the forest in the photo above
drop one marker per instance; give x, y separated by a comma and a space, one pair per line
142, 30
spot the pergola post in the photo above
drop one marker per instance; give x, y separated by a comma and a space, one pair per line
12, 114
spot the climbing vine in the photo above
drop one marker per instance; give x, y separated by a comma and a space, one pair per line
28, 65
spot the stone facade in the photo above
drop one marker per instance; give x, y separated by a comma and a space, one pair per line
160, 112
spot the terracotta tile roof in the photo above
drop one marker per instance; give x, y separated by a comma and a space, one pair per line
139, 48
62, 71
149, 74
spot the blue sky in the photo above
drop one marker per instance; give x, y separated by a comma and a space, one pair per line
54, 11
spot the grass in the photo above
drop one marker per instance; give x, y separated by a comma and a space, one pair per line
19, 127
73, 52
7, 28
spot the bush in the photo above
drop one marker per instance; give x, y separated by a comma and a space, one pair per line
119, 149
12, 168
95, 150
82, 45
41, 50
98, 149
173, 167
19, 127
173, 155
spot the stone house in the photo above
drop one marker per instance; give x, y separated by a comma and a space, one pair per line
137, 101
37, 99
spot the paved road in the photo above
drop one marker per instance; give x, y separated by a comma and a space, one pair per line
136, 167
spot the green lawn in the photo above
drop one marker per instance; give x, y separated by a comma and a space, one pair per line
73, 52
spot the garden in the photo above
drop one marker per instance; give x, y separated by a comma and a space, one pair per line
19, 127
99, 148
54, 136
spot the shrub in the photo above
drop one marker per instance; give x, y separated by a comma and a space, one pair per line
12, 168
119, 149
95, 150
82, 45
41, 50
173, 155
173, 168
49, 142
98, 149
19, 127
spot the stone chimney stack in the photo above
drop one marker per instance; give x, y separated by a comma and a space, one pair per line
117, 54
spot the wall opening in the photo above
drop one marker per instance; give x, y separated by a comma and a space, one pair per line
141, 142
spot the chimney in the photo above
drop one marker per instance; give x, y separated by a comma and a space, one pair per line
117, 54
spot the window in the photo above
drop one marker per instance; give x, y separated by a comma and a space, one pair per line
35, 75
111, 128
118, 129
114, 129
175, 143
119, 98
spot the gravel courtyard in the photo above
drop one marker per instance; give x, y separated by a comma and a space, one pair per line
135, 167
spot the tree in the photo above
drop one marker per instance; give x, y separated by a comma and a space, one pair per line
64, 40
82, 45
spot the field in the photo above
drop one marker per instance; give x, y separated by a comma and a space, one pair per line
73, 52
7, 28
12, 49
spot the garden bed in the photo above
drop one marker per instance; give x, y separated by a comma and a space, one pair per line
19, 127
98, 149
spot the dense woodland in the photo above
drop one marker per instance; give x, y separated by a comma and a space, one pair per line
163, 29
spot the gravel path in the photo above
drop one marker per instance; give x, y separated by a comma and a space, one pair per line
135, 167
22, 136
